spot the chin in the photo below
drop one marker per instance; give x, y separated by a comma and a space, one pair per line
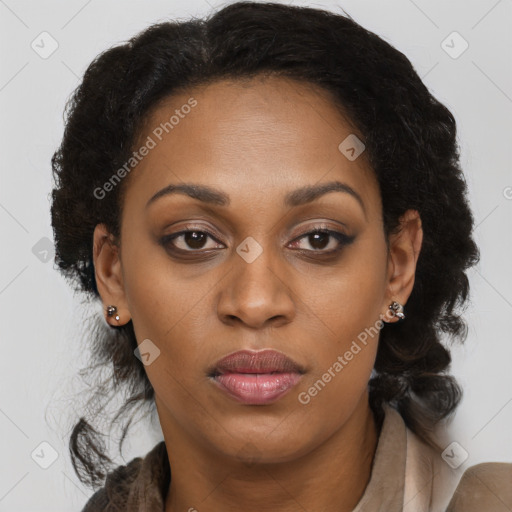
268, 446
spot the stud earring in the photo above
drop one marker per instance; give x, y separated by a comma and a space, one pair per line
111, 311
397, 310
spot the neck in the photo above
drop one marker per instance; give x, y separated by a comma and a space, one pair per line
331, 478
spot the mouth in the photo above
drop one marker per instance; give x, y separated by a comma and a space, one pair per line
256, 378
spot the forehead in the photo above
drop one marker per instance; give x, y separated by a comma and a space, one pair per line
257, 139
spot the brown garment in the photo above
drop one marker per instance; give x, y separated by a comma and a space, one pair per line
407, 476
486, 486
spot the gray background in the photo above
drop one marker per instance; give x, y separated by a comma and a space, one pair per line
40, 319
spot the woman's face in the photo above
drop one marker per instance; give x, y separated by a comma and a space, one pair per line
249, 274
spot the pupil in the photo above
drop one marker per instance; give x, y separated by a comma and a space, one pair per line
195, 239
315, 237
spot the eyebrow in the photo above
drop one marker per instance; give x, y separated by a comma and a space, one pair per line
294, 198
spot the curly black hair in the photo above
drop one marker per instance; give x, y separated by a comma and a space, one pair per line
410, 140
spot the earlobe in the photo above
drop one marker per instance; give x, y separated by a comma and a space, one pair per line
404, 250
109, 279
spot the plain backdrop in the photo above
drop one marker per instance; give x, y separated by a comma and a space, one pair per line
40, 319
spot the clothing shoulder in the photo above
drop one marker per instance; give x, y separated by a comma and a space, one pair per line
116, 488
433, 485
97, 502
429, 481
486, 486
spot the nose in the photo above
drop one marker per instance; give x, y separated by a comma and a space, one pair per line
257, 294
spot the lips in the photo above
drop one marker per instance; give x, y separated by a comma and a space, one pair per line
256, 377
263, 361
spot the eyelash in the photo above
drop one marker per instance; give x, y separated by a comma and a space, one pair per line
342, 238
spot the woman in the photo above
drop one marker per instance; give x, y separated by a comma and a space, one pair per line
269, 205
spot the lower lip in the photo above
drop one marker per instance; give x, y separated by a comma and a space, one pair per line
257, 388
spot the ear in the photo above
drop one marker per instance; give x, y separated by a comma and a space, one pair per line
404, 250
109, 278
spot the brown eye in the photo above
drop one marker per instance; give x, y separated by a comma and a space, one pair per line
195, 239
320, 239
189, 241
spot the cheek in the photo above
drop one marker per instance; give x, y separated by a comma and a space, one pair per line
170, 311
349, 298
349, 307
157, 295
328, 399
171, 305
343, 363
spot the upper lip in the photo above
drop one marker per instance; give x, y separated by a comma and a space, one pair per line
262, 361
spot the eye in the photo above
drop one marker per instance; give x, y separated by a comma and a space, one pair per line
190, 240
321, 240
325, 241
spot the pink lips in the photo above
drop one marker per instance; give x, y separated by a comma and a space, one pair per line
256, 377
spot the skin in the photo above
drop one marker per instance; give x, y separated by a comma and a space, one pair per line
256, 141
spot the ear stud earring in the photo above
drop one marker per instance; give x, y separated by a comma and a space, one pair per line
397, 310
111, 311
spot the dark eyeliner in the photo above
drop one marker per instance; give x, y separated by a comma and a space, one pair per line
342, 238
343, 241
